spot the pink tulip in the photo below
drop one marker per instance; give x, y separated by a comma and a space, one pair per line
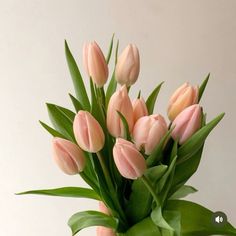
127, 68
187, 123
148, 132
183, 97
95, 63
103, 208
68, 156
88, 132
103, 231
119, 101
139, 108
129, 161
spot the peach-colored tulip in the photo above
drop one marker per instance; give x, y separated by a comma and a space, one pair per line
187, 123
139, 108
103, 231
129, 161
119, 101
95, 63
68, 156
148, 132
127, 67
185, 96
88, 132
103, 208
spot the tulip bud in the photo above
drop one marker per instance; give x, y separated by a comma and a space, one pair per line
139, 108
88, 132
119, 101
127, 67
187, 123
148, 132
103, 208
68, 156
183, 97
129, 161
104, 231
95, 63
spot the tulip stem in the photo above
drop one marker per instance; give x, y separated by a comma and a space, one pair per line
150, 188
111, 187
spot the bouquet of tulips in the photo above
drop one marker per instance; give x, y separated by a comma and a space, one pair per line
135, 163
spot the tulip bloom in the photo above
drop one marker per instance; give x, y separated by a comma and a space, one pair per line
104, 231
68, 156
129, 161
148, 132
95, 63
139, 108
103, 208
187, 123
119, 101
183, 97
127, 67
88, 132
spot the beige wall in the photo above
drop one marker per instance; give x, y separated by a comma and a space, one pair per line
179, 41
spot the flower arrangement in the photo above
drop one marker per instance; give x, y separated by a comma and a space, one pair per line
135, 163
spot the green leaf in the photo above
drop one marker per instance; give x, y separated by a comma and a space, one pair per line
141, 197
80, 90
156, 155
174, 220
112, 84
145, 227
77, 105
193, 144
197, 220
110, 49
202, 87
60, 121
152, 99
74, 192
52, 131
126, 126
86, 219
159, 220
70, 114
184, 191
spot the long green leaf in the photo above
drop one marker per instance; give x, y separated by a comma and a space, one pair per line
110, 50
70, 114
52, 131
126, 126
80, 90
75, 192
112, 84
184, 191
196, 220
193, 144
202, 87
60, 121
77, 105
86, 219
152, 99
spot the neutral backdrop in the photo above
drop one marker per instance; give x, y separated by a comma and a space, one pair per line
180, 40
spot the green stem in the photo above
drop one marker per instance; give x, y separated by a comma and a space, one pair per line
89, 182
150, 188
112, 189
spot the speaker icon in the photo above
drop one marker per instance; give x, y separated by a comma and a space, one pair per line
219, 219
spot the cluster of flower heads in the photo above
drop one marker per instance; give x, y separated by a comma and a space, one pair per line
146, 130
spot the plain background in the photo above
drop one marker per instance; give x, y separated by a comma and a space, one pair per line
179, 41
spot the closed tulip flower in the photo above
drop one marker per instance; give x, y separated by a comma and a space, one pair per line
119, 101
88, 132
139, 108
148, 132
68, 156
95, 63
104, 231
187, 123
183, 97
103, 208
129, 161
127, 67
